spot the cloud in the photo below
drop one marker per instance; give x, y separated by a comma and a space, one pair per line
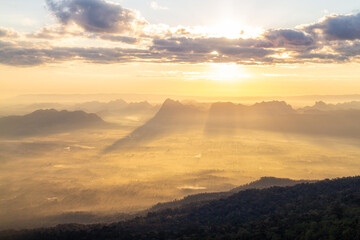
288, 37
8, 33
172, 50
96, 15
323, 57
334, 39
202, 49
32, 57
56, 31
156, 6
190, 52
118, 38
207, 45
337, 27
349, 49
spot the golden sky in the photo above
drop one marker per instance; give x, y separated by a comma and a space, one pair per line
97, 46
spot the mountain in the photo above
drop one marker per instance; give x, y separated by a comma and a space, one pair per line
226, 118
268, 182
96, 106
22, 109
118, 106
173, 116
230, 118
43, 122
262, 183
322, 106
328, 209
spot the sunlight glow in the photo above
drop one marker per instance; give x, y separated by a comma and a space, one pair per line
227, 72
234, 29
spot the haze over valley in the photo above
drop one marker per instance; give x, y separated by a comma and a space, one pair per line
60, 166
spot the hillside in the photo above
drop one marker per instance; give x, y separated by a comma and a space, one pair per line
201, 198
43, 122
328, 209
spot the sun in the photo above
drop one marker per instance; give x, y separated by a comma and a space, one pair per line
233, 29
229, 29
227, 72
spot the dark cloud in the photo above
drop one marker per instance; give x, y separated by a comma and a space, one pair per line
163, 51
338, 27
16, 56
124, 39
322, 56
288, 37
346, 48
96, 15
245, 53
33, 57
242, 48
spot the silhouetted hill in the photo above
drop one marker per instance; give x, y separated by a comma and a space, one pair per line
322, 106
328, 209
96, 106
228, 118
264, 182
49, 121
118, 106
268, 182
225, 118
270, 108
173, 116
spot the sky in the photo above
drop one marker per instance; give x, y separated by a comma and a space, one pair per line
194, 48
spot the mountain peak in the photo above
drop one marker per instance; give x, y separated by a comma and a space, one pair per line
275, 107
170, 102
47, 121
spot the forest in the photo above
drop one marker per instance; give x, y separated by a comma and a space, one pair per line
328, 209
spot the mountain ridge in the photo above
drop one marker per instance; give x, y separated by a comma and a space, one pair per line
201, 198
172, 116
48, 121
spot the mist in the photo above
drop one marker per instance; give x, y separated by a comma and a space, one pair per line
149, 153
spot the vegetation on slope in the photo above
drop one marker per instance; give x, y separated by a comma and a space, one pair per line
328, 209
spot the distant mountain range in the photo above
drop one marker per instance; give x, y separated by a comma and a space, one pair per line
117, 107
328, 209
322, 106
226, 118
43, 122
222, 118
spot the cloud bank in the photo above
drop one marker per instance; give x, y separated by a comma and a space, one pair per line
119, 35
